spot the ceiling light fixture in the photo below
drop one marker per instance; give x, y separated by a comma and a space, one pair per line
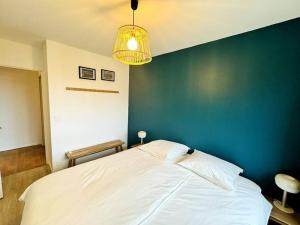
132, 44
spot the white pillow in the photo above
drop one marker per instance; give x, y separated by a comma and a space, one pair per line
246, 184
175, 155
166, 150
215, 170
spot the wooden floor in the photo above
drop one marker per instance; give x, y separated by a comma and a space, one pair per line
13, 186
21, 159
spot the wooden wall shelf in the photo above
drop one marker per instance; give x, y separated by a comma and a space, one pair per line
91, 90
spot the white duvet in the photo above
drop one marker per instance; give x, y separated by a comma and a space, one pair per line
133, 187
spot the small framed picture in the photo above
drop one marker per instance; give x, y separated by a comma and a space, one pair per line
87, 73
107, 75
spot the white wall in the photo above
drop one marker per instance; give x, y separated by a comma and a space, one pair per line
20, 110
18, 55
80, 119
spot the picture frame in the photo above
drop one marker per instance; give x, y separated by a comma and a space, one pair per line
107, 75
87, 73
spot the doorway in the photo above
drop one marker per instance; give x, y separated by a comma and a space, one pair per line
21, 121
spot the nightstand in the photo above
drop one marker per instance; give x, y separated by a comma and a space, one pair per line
283, 218
135, 145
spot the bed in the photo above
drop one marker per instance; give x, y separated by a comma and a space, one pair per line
135, 187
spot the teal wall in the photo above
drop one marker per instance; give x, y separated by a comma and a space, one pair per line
237, 98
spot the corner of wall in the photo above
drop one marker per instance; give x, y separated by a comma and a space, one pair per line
46, 108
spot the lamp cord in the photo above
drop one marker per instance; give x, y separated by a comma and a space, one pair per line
133, 16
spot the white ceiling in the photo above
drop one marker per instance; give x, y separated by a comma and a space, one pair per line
172, 24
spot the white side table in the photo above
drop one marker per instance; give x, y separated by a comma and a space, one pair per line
283, 218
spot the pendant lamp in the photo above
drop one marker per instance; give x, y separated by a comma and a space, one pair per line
132, 43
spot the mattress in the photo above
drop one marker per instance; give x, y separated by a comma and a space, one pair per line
133, 187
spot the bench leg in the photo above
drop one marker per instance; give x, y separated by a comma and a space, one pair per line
72, 162
119, 148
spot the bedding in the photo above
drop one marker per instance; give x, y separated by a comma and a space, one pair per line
166, 150
216, 170
134, 187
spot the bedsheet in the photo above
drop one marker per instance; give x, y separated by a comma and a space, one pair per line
133, 187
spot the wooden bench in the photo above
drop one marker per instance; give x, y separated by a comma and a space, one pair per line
76, 154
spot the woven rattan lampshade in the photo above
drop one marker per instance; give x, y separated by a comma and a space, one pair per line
132, 45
